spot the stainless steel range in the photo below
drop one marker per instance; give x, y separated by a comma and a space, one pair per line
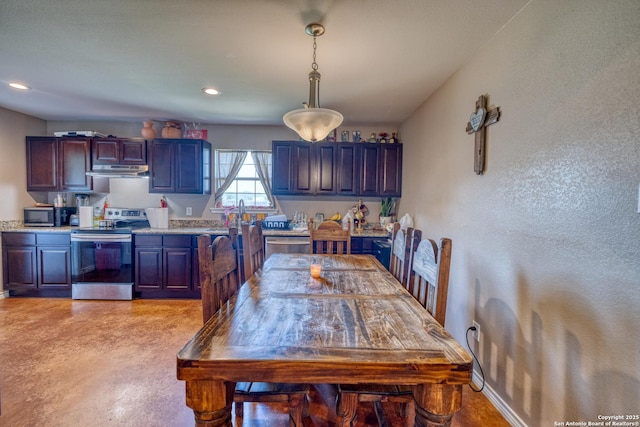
101, 257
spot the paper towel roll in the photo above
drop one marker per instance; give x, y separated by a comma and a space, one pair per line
158, 217
86, 216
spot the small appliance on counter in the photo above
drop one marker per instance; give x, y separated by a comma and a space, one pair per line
44, 215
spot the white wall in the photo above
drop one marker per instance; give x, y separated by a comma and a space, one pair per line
13, 161
546, 244
13, 164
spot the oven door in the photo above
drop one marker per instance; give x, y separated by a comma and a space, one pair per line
101, 266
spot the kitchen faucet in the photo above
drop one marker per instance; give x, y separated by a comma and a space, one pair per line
241, 212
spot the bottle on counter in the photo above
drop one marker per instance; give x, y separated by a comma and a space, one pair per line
97, 215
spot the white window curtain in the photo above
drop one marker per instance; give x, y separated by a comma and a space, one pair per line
262, 160
227, 167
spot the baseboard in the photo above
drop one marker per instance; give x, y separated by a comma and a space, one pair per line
506, 411
4, 294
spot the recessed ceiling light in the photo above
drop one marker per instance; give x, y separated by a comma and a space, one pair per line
19, 86
210, 91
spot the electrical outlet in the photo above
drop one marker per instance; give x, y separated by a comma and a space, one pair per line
189, 211
476, 333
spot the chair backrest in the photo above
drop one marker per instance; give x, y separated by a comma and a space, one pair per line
252, 248
219, 273
429, 277
403, 246
235, 241
329, 238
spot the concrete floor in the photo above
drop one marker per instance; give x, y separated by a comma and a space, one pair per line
112, 363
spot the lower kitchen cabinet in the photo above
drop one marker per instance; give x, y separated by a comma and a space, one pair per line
164, 266
37, 264
364, 245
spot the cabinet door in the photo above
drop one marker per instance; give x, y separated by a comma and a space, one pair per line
325, 158
42, 164
74, 163
177, 269
119, 151
368, 170
133, 152
19, 267
148, 268
303, 164
346, 169
161, 166
390, 169
188, 166
54, 267
105, 151
282, 167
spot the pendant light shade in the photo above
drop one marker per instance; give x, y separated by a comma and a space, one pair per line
313, 123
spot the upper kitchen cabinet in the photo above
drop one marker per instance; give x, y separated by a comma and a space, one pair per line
346, 170
179, 166
390, 170
119, 151
292, 168
343, 169
369, 174
58, 164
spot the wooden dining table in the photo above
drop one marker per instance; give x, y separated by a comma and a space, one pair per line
354, 324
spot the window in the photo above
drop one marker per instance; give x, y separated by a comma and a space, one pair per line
238, 176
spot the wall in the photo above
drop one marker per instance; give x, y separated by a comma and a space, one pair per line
546, 244
13, 176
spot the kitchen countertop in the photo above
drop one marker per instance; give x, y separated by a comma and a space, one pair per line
196, 231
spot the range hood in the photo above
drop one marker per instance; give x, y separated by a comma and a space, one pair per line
119, 171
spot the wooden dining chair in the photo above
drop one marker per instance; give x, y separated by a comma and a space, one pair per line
252, 248
296, 395
219, 273
403, 245
429, 276
235, 240
329, 238
428, 282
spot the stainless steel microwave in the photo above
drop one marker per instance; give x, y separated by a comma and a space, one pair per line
47, 216
39, 217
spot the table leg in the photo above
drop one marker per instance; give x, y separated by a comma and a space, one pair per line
436, 404
211, 402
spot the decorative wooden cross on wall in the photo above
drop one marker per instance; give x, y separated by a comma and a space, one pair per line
477, 124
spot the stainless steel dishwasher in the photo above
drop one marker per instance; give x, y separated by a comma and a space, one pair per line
287, 245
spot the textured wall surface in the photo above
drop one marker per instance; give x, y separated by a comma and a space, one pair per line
546, 244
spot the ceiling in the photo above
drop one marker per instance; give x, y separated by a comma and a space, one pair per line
149, 59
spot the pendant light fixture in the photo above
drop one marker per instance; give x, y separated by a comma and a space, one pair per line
313, 123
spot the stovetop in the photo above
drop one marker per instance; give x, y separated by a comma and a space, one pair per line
129, 214
118, 221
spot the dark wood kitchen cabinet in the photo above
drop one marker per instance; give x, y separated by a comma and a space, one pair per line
343, 169
119, 151
303, 168
368, 165
19, 261
58, 164
346, 169
163, 266
179, 166
292, 168
37, 264
390, 170
380, 170
54, 260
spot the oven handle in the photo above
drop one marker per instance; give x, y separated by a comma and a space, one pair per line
115, 238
